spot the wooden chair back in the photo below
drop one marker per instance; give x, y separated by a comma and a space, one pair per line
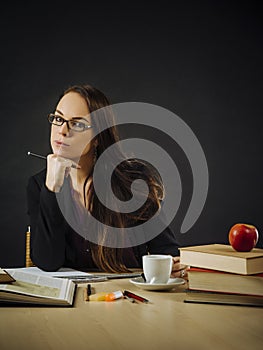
29, 262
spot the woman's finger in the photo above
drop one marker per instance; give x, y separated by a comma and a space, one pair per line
180, 273
57, 169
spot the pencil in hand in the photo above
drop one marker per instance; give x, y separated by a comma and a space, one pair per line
35, 155
75, 166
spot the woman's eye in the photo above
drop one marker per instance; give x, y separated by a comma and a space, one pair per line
58, 119
78, 124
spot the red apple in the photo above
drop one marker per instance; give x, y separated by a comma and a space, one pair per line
243, 237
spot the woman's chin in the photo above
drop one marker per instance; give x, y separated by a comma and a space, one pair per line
62, 153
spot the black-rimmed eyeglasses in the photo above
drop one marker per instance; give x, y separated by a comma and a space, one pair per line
73, 124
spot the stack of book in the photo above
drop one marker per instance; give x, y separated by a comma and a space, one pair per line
220, 275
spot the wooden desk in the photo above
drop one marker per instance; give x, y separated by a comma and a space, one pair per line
166, 323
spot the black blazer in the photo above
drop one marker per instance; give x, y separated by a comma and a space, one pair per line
54, 243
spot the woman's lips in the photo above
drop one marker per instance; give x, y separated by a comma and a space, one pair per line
61, 144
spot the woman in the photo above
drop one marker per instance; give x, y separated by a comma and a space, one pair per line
66, 185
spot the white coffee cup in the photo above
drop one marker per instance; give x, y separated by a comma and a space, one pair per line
157, 268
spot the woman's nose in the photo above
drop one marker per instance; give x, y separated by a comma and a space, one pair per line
64, 129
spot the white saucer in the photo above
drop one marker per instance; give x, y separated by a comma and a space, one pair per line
173, 282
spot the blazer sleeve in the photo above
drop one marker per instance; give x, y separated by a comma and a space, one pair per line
164, 243
47, 226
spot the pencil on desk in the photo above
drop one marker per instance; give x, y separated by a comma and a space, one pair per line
134, 296
87, 292
89, 289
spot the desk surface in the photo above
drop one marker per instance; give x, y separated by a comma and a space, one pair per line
165, 323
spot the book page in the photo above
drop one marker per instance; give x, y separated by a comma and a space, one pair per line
36, 285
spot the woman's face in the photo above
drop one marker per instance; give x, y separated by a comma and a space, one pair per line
65, 142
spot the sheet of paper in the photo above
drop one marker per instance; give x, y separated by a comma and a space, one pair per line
62, 272
75, 275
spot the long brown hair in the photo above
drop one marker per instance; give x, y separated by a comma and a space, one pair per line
106, 258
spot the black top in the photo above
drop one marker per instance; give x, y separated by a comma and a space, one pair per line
54, 243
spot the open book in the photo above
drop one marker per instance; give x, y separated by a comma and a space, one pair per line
37, 289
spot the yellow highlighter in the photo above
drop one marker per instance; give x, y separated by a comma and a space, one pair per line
104, 296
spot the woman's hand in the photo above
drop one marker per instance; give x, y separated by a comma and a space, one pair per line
57, 169
178, 270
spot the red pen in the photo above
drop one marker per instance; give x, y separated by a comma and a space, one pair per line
135, 296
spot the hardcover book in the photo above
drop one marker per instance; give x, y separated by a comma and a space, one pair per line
223, 298
223, 257
218, 281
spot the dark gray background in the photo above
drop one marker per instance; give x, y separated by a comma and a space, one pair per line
201, 60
